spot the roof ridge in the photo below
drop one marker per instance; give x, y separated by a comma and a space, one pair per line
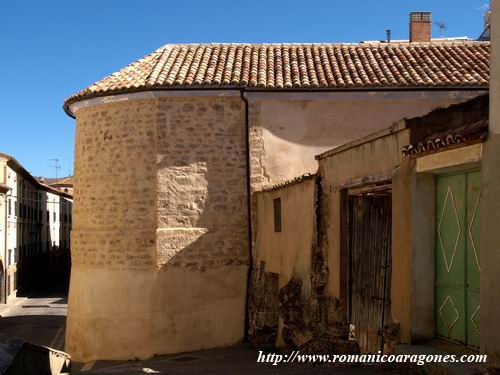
332, 44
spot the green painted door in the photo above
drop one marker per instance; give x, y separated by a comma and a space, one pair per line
457, 257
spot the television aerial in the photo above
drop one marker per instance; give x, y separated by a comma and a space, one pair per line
442, 27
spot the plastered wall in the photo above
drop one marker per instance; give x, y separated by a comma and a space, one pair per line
287, 306
379, 158
287, 253
490, 212
288, 129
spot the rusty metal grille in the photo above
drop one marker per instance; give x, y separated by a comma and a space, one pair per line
369, 267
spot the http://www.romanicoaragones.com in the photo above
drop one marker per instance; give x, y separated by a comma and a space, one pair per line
418, 359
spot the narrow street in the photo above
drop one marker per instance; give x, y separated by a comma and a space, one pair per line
39, 318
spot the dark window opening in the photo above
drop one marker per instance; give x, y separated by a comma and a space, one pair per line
277, 215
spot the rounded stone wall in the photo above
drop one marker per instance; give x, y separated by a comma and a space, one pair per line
159, 241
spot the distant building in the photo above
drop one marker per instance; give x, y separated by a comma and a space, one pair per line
35, 225
64, 184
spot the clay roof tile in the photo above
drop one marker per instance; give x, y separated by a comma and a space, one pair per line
305, 66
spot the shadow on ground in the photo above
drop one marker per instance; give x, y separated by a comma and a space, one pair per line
39, 317
239, 359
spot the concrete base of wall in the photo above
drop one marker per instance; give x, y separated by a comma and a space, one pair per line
124, 314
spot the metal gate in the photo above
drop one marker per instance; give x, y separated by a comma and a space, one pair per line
369, 267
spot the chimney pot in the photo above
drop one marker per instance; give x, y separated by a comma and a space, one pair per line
420, 27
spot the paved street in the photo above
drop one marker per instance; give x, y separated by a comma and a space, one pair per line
240, 359
39, 318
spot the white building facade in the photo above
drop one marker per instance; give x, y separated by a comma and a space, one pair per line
35, 226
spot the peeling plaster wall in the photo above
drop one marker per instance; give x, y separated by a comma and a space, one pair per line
288, 308
160, 242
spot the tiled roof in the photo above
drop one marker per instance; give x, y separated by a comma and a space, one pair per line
68, 180
301, 66
467, 134
287, 183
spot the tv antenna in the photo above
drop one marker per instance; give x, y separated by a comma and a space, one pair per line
56, 166
442, 27
485, 7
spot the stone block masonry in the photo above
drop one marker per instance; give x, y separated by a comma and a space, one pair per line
160, 241
201, 183
115, 187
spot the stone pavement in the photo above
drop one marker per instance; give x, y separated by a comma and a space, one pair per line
39, 318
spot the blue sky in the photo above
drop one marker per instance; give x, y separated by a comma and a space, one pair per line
51, 49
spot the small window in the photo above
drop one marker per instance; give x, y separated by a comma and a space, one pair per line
10, 206
277, 215
54, 217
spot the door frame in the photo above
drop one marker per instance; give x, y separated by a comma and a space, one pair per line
383, 188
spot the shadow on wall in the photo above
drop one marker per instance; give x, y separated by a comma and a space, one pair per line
40, 263
351, 115
202, 203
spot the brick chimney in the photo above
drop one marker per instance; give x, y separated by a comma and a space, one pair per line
420, 27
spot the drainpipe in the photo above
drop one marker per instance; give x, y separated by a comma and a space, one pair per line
249, 215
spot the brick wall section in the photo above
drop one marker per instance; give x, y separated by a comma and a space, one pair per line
420, 31
202, 203
115, 186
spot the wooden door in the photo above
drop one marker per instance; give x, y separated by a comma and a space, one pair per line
370, 267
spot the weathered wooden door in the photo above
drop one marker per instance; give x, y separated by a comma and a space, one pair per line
458, 257
370, 267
